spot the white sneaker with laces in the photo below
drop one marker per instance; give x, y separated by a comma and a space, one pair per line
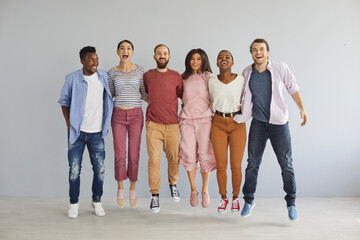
154, 204
222, 205
99, 210
73, 210
175, 194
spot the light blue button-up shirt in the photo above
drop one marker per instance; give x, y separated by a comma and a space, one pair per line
73, 95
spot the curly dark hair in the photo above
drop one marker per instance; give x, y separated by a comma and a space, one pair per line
86, 50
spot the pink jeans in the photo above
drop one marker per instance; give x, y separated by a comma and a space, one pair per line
127, 121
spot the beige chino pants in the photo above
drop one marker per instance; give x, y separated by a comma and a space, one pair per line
167, 136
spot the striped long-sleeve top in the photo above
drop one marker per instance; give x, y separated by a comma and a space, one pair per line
127, 89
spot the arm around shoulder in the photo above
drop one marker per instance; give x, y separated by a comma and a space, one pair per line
142, 85
179, 88
208, 75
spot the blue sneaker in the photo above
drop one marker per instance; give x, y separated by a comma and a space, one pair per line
293, 214
246, 211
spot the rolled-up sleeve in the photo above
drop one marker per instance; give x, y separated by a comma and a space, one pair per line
289, 80
65, 95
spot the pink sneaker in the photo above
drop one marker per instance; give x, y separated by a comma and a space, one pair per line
194, 201
205, 202
235, 206
222, 206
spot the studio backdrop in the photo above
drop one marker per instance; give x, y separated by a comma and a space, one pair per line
40, 41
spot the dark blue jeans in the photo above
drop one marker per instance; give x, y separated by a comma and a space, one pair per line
279, 136
96, 148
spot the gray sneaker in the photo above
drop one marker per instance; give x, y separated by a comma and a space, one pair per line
154, 204
175, 193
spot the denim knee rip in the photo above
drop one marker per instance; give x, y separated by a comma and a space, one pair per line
74, 171
99, 164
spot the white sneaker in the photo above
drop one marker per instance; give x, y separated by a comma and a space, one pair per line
99, 210
175, 195
155, 204
73, 210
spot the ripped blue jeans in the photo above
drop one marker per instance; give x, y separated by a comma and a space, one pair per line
96, 148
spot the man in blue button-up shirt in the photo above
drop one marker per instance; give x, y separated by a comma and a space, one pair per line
87, 108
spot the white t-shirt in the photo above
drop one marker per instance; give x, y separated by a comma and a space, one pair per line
226, 97
93, 113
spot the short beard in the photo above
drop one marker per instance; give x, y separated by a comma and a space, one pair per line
162, 65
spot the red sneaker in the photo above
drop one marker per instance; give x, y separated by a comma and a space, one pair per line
235, 206
223, 204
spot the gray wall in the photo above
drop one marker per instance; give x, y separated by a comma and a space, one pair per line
40, 41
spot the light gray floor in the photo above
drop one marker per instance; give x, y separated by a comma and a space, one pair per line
46, 218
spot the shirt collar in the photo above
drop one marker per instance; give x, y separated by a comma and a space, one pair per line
270, 65
100, 73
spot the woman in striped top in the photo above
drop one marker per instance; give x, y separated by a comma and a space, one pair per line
127, 89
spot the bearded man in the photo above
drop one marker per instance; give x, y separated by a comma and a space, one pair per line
164, 87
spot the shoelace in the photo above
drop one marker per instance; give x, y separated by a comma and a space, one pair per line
154, 202
235, 204
222, 203
174, 190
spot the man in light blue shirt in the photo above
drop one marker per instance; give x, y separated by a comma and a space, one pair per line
87, 108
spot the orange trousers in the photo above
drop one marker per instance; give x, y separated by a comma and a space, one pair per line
226, 132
